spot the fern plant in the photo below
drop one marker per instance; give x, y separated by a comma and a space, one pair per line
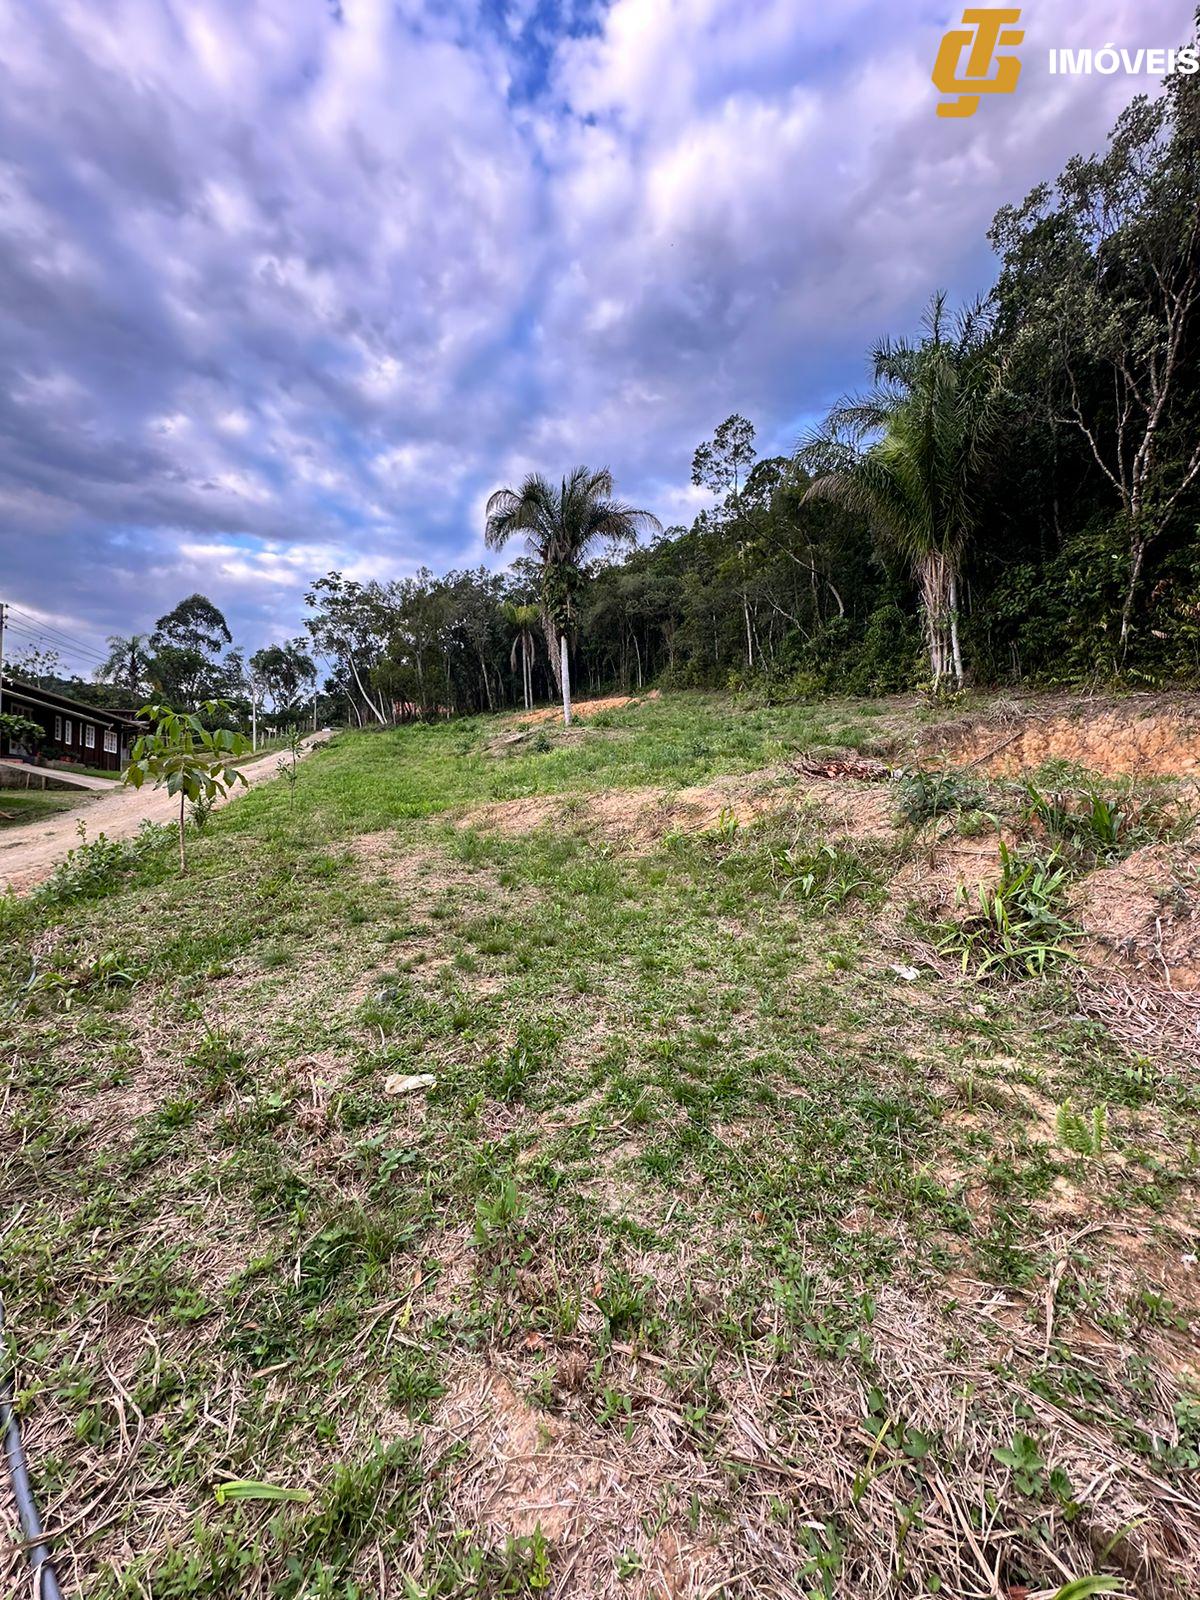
1085, 1135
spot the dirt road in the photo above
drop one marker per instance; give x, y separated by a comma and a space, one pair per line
28, 855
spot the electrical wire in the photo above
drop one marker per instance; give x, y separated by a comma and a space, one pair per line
52, 646
64, 635
45, 1582
56, 642
50, 631
88, 661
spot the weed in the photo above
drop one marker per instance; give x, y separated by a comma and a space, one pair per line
826, 877
498, 1220
1025, 1462
414, 1382
1018, 925
96, 867
459, 1567
1094, 825
1086, 1136
924, 794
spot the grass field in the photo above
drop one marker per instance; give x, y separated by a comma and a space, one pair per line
742, 1244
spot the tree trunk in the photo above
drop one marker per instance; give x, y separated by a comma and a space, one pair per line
565, 680
379, 716
939, 585
182, 848
955, 651
1137, 551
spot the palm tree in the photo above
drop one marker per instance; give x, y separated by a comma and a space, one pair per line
524, 619
907, 456
128, 664
563, 527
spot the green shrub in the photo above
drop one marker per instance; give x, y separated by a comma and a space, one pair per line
1094, 826
927, 793
1017, 926
96, 866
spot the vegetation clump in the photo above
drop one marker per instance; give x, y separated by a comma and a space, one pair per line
1017, 925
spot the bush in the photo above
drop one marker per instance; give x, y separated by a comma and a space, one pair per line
20, 730
1097, 827
96, 866
1018, 926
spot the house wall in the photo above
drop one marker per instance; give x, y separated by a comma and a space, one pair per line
70, 736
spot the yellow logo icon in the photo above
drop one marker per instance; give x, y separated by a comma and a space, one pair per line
983, 32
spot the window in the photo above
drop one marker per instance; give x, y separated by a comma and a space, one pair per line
58, 727
89, 736
110, 741
68, 733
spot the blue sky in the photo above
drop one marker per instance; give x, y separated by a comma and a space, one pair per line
288, 285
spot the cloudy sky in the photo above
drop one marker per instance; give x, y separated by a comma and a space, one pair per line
288, 285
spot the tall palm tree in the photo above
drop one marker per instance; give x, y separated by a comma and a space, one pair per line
907, 457
128, 664
563, 527
523, 619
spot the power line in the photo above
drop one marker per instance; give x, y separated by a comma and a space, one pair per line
58, 645
81, 652
48, 632
51, 630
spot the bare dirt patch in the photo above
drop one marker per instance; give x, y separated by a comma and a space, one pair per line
1144, 913
639, 818
590, 1491
1141, 737
947, 873
583, 709
850, 810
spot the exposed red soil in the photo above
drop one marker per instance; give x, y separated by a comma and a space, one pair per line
581, 710
1145, 738
1144, 914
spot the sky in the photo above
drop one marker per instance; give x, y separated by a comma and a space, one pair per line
293, 285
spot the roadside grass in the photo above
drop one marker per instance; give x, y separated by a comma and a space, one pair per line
727, 1253
21, 806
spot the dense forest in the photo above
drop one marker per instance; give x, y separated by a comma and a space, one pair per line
1014, 498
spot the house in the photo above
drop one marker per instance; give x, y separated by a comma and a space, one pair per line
87, 736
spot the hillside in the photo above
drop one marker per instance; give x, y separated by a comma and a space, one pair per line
620, 1162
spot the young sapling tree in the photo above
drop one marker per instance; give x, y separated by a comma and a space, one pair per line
194, 762
289, 761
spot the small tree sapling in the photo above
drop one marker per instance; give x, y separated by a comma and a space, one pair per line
196, 763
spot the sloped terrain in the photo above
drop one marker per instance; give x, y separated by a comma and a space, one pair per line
748, 1240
